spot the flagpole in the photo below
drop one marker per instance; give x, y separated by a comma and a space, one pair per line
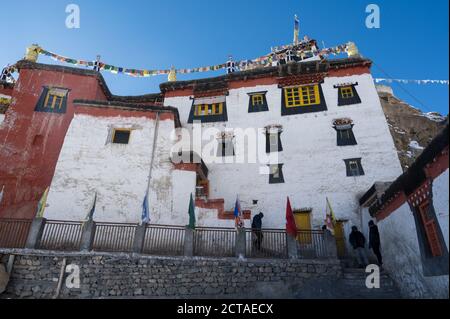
152, 159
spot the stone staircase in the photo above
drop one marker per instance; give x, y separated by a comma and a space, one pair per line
353, 286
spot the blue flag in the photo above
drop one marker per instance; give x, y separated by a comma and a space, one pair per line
238, 214
145, 214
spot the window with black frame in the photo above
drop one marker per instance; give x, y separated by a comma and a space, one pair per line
354, 167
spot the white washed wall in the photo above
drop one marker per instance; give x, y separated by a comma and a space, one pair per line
401, 257
441, 202
313, 163
119, 173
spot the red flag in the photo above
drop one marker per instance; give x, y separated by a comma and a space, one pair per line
291, 228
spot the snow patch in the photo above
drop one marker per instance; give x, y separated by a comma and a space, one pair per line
434, 116
415, 145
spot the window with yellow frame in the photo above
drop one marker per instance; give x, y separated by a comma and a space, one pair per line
55, 98
121, 136
302, 95
208, 109
346, 92
257, 99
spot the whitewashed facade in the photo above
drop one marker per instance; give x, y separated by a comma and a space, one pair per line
314, 165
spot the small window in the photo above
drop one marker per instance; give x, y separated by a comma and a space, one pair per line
276, 174
257, 99
121, 136
273, 142
225, 147
52, 100
354, 167
347, 92
257, 102
345, 136
208, 109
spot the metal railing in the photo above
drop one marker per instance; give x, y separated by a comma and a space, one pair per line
114, 237
214, 241
266, 243
311, 244
14, 232
61, 235
164, 240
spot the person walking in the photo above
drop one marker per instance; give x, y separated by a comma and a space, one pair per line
358, 242
256, 229
374, 242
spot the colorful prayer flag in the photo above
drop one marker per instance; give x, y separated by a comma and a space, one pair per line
191, 213
42, 204
291, 227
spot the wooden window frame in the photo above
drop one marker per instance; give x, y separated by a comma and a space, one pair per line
305, 95
208, 109
430, 227
347, 92
53, 96
347, 140
257, 99
276, 179
350, 170
222, 147
115, 130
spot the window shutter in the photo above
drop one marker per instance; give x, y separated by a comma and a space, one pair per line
430, 230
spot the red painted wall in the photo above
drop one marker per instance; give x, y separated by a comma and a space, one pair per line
30, 142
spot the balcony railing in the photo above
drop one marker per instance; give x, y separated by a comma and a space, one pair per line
266, 243
114, 237
166, 240
209, 241
61, 235
14, 232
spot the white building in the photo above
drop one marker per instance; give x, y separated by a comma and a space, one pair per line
321, 122
412, 217
329, 100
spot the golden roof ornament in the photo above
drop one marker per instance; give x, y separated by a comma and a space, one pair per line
352, 50
172, 77
32, 53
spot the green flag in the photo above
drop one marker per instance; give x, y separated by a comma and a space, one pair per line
191, 213
42, 204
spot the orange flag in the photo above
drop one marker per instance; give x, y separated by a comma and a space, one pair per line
291, 228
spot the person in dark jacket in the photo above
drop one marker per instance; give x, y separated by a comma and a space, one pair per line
256, 228
374, 241
358, 242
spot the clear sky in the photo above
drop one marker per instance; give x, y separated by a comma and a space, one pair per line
412, 42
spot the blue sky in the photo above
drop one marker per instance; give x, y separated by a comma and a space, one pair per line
412, 42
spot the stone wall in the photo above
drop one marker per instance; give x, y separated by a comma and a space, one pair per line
35, 275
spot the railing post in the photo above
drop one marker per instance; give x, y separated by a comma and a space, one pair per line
189, 242
35, 233
139, 237
330, 244
87, 235
292, 246
240, 243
